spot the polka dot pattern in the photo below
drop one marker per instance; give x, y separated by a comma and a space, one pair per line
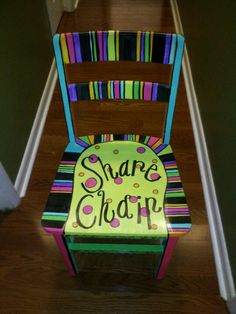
115, 223
88, 209
90, 183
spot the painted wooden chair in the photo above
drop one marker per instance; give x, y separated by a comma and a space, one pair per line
117, 193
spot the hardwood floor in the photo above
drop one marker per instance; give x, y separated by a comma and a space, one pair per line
33, 275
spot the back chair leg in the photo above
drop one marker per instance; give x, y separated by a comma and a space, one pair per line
69, 260
169, 250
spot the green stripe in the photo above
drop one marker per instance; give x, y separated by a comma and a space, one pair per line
95, 85
173, 174
94, 47
128, 89
122, 248
111, 46
178, 194
147, 45
85, 139
53, 217
136, 89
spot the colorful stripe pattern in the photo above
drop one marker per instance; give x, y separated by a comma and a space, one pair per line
118, 46
101, 90
175, 207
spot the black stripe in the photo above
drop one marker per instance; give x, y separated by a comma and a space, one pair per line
97, 139
52, 223
64, 176
175, 200
104, 90
167, 157
174, 185
58, 202
163, 93
70, 156
127, 46
118, 137
82, 91
142, 139
85, 46
179, 219
158, 48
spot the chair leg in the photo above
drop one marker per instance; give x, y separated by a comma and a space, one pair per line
60, 240
170, 247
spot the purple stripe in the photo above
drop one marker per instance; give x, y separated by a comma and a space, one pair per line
147, 90
142, 46
117, 89
62, 184
125, 137
81, 143
77, 47
160, 148
167, 49
100, 89
99, 36
72, 92
154, 91
105, 38
70, 46
169, 163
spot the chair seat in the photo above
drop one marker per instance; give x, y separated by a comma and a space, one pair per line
119, 186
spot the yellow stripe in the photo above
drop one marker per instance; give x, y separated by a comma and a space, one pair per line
91, 91
151, 45
117, 46
64, 49
91, 138
141, 90
138, 46
109, 89
158, 143
111, 46
137, 138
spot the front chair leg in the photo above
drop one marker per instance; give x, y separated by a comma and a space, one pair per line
169, 249
61, 243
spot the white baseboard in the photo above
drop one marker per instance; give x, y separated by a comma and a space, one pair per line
223, 269
27, 163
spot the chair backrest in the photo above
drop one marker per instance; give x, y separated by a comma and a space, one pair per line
102, 46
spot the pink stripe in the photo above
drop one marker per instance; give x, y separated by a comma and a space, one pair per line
99, 35
173, 178
54, 230
70, 45
64, 162
147, 91
117, 89
60, 189
152, 140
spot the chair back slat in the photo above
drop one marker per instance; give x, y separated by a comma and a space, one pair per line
118, 46
118, 90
